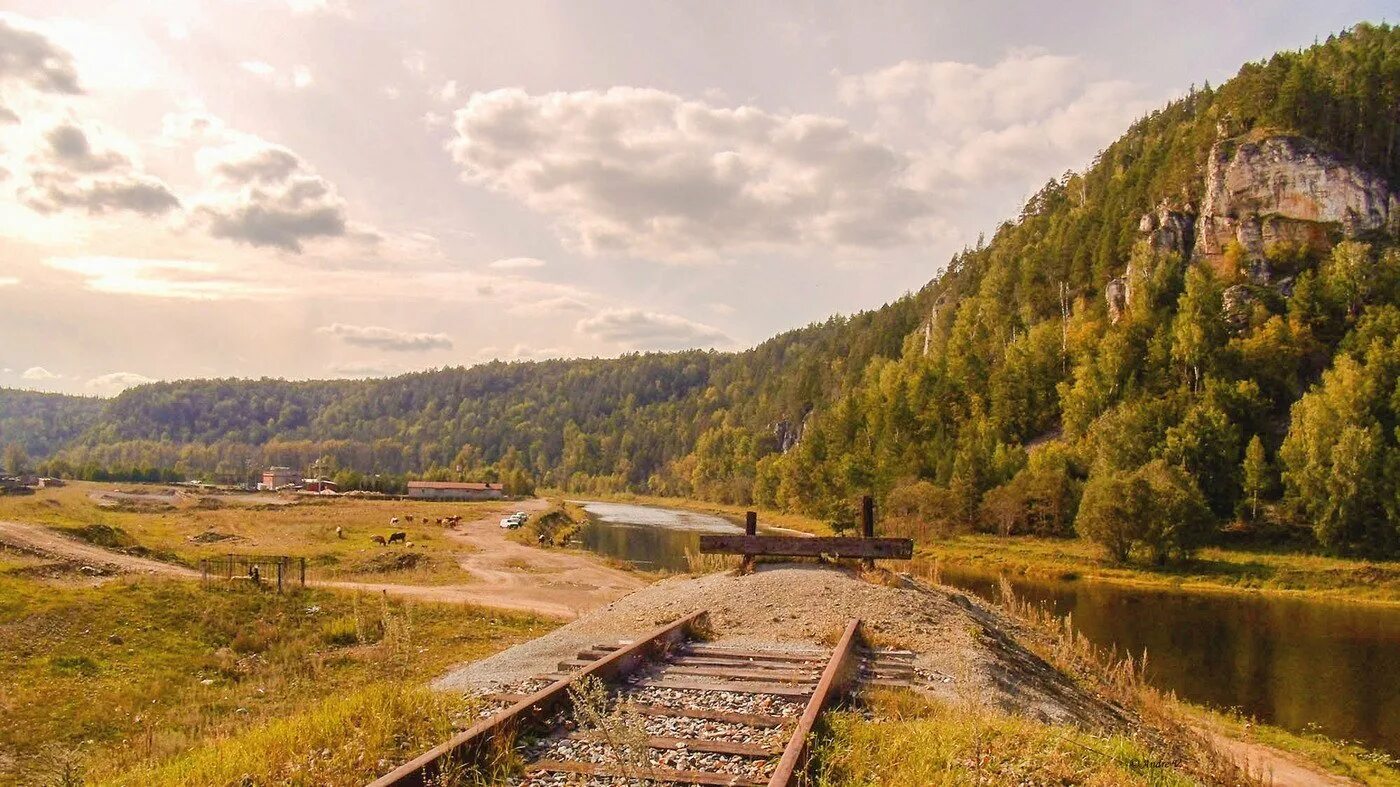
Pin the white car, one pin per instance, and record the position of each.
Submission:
(514, 520)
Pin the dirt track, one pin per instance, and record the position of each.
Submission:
(505, 574)
(36, 538)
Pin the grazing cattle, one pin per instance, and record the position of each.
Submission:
(339, 533)
(377, 539)
(400, 537)
(394, 521)
(407, 518)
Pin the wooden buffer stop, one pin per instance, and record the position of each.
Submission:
(865, 546)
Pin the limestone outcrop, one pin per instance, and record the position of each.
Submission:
(1284, 189)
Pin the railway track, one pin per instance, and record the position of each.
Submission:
(675, 711)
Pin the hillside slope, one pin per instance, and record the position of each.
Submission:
(1151, 323)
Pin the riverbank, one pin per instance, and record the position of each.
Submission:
(767, 518)
(1214, 569)
(993, 700)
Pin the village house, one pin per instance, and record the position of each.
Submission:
(278, 477)
(455, 490)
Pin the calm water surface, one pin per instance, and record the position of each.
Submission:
(646, 536)
(1302, 665)
(1298, 664)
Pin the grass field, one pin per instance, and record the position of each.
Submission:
(163, 681)
(188, 527)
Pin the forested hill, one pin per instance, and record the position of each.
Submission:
(1206, 319)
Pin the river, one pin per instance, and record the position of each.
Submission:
(1300, 664)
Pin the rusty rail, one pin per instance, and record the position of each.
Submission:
(469, 745)
(837, 672)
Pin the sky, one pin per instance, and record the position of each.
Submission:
(337, 188)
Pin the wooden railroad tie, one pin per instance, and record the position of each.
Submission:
(665, 658)
(866, 546)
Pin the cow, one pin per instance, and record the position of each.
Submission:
(394, 521)
(408, 518)
(377, 539)
(400, 537)
(339, 533)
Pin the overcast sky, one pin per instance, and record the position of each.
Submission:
(331, 188)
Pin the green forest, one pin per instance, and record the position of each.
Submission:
(1006, 396)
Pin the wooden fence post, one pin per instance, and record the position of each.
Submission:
(750, 529)
(281, 561)
(867, 524)
(303, 572)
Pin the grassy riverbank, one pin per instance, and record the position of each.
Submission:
(1212, 569)
(165, 682)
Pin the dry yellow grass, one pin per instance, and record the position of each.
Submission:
(166, 681)
(259, 524)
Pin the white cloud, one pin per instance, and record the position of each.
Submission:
(38, 374)
(1028, 116)
(179, 279)
(115, 382)
(640, 329)
(31, 62)
(516, 263)
(298, 78)
(379, 338)
(8, 281)
(67, 171)
(258, 68)
(448, 91)
(648, 173)
(335, 7)
(416, 61)
(550, 306)
(265, 195)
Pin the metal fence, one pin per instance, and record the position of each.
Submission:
(284, 570)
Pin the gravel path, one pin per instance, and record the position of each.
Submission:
(961, 650)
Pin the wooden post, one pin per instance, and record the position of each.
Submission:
(867, 524)
(303, 572)
(750, 529)
(281, 561)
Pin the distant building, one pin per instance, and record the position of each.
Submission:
(319, 485)
(455, 490)
(277, 477)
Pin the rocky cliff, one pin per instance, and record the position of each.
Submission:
(1261, 193)
(1284, 189)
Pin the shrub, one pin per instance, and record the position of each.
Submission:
(1155, 511)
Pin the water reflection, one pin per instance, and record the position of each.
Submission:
(648, 537)
(1294, 663)
(1290, 662)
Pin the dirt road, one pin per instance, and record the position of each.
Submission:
(36, 538)
(504, 574)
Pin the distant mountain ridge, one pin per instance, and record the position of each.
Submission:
(1230, 253)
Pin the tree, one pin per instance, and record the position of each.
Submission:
(16, 460)
(1198, 331)
(1108, 513)
(1256, 475)
(1338, 463)
(1155, 510)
